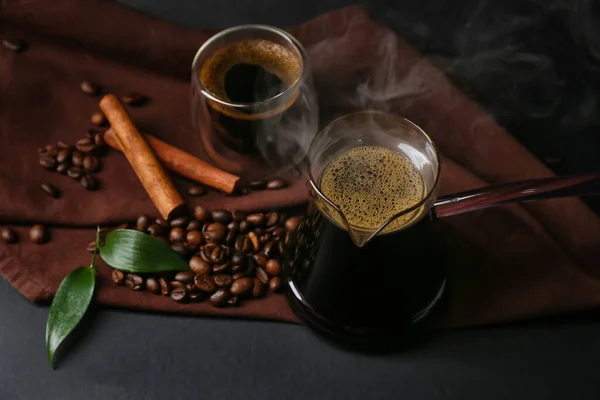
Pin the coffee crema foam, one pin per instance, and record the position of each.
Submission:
(272, 57)
(370, 184)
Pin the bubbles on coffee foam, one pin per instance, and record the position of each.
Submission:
(370, 184)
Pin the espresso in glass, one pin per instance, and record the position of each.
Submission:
(368, 266)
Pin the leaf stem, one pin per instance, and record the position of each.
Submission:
(96, 249)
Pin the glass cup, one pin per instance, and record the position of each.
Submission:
(361, 284)
(253, 100)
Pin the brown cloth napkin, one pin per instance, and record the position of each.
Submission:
(514, 262)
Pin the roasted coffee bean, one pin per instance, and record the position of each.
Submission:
(85, 145)
(177, 235)
(235, 268)
(278, 233)
(77, 158)
(196, 191)
(215, 232)
(62, 168)
(238, 258)
(275, 284)
(233, 226)
(273, 267)
(152, 285)
(98, 118)
(256, 219)
(14, 45)
(270, 229)
(239, 275)
(292, 223)
(259, 289)
(89, 182)
(222, 216)
(180, 249)
(223, 280)
(205, 283)
(220, 297)
(243, 244)
(142, 223)
(254, 240)
(245, 226)
(118, 277)
(281, 248)
(197, 296)
(184, 276)
(156, 230)
(257, 185)
(259, 231)
(290, 240)
(162, 223)
(179, 222)
(91, 246)
(221, 268)
(191, 287)
(134, 99)
(199, 266)
(194, 238)
(134, 281)
(262, 275)
(238, 215)
(272, 218)
(176, 284)
(233, 301)
(201, 214)
(205, 254)
(48, 162)
(89, 88)
(276, 184)
(230, 238)
(50, 190)
(99, 139)
(218, 255)
(74, 172)
(260, 259)
(250, 266)
(264, 238)
(39, 234)
(165, 286)
(241, 286)
(194, 225)
(180, 295)
(9, 236)
(63, 155)
(90, 163)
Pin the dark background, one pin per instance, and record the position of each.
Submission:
(534, 65)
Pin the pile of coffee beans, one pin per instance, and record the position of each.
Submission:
(38, 234)
(80, 161)
(233, 256)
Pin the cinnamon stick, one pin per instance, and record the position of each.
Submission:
(139, 154)
(183, 163)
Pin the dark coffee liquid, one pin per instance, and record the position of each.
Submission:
(370, 295)
(247, 83)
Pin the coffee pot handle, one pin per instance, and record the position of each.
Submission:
(516, 192)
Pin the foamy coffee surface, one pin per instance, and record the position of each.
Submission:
(271, 56)
(370, 184)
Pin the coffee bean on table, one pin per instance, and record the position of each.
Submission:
(142, 223)
(14, 45)
(180, 295)
(262, 275)
(152, 285)
(292, 223)
(39, 234)
(191, 287)
(63, 155)
(238, 258)
(99, 139)
(201, 214)
(118, 277)
(77, 158)
(134, 99)
(184, 276)
(62, 168)
(176, 284)
(222, 216)
(243, 244)
(230, 238)
(98, 118)
(264, 238)
(220, 297)
(272, 218)
(273, 267)
(90, 163)
(259, 289)
(275, 284)
(165, 286)
(245, 226)
(196, 191)
(89, 182)
(281, 248)
(194, 225)
(233, 226)
(260, 259)
(9, 236)
(74, 172)
(199, 266)
(163, 223)
(256, 219)
(223, 280)
(254, 240)
(215, 232)
(194, 238)
(257, 185)
(179, 222)
(196, 296)
(48, 162)
(234, 301)
(241, 286)
(218, 255)
(134, 281)
(279, 232)
(180, 249)
(91, 246)
(276, 184)
(155, 230)
(50, 190)
(177, 235)
(85, 145)
(235, 268)
(239, 275)
(221, 268)
(89, 88)
(205, 283)
(238, 215)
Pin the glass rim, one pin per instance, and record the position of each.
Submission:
(267, 28)
(422, 202)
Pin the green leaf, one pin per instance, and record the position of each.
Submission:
(68, 307)
(133, 251)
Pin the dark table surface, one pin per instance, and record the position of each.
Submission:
(127, 355)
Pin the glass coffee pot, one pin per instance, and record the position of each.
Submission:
(368, 268)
